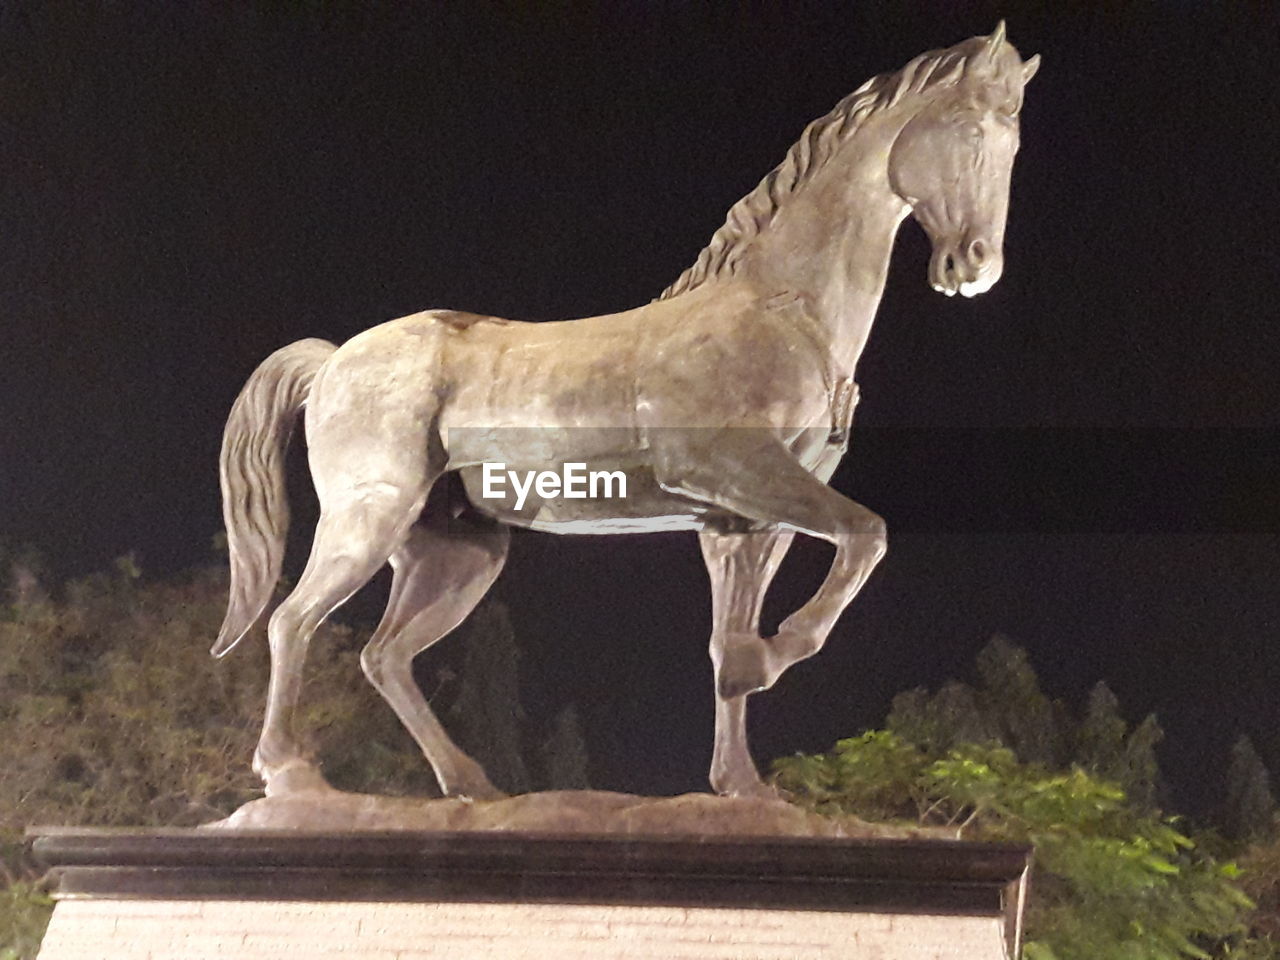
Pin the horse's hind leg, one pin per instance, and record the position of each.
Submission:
(440, 575)
(741, 567)
(354, 538)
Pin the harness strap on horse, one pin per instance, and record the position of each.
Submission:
(842, 394)
(844, 398)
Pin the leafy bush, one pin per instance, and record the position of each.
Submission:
(112, 712)
(24, 913)
(1111, 881)
(1007, 707)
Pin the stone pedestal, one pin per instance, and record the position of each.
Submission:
(409, 895)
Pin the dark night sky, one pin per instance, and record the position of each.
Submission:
(1084, 458)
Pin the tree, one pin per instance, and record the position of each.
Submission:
(1115, 877)
(1106, 747)
(1100, 740)
(1027, 721)
(112, 712)
(956, 714)
(487, 716)
(1140, 776)
(1010, 709)
(1112, 881)
(564, 753)
(1007, 707)
(1250, 808)
(1260, 865)
(24, 570)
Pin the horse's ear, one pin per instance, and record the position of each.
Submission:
(995, 42)
(1029, 68)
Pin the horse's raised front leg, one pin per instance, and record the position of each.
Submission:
(440, 575)
(752, 474)
(741, 567)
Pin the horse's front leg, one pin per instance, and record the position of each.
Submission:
(752, 474)
(741, 567)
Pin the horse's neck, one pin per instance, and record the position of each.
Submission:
(830, 244)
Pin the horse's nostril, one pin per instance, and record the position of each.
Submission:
(949, 266)
(977, 253)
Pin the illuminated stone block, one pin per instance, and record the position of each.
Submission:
(191, 895)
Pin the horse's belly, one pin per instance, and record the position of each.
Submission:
(470, 443)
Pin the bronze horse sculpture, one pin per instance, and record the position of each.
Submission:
(726, 402)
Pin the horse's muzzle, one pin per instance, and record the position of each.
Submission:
(965, 268)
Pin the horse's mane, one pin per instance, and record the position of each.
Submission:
(819, 142)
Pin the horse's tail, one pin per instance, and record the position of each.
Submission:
(255, 507)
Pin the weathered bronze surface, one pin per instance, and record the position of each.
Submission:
(726, 403)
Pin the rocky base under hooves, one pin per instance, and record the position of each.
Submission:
(558, 811)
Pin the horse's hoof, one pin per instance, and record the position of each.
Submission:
(297, 776)
(761, 791)
(478, 791)
(752, 788)
(466, 780)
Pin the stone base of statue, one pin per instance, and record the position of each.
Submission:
(568, 875)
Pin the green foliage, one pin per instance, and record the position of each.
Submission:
(877, 776)
(1111, 880)
(957, 713)
(1260, 877)
(24, 913)
(1252, 948)
(564, 753)
(1008, 708)
(25, 907)
(112, 712)
(1100, 740)
(1000, 760)
(1140, 775)
(486, 716)
(1250, 807)
(1028, 721)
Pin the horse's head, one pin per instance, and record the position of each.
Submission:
(952, 162)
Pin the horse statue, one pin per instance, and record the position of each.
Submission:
(726, 404)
